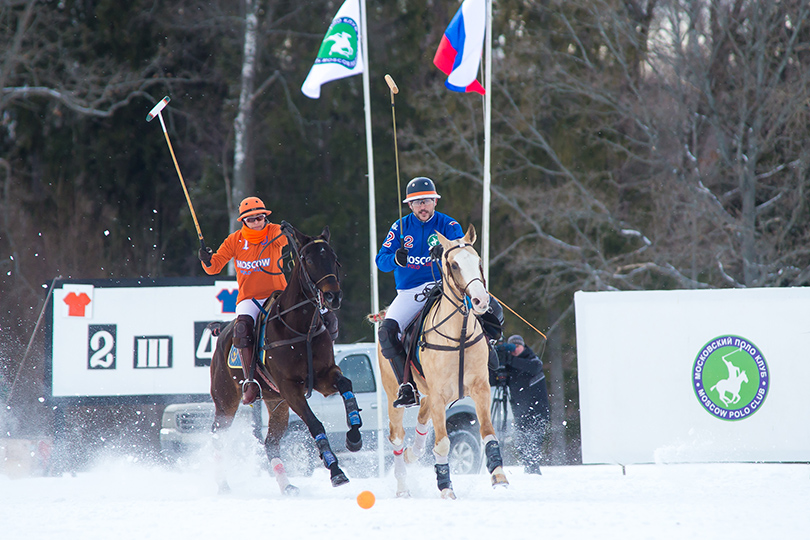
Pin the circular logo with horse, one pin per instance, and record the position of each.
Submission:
(340, 44)
(730, 377)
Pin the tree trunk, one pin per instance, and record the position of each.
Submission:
(244, 181)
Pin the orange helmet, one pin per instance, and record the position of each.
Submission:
(251, 206)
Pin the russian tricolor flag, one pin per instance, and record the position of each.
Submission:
(459, 52)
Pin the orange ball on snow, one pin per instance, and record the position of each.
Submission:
(365, 499)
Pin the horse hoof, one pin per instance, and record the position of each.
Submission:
(291, 491)
(339, 479)
(223, 489)
(499, 478)
(404, 494)
(448, 493)
(354, 441)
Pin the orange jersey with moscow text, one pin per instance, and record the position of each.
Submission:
(257, 263)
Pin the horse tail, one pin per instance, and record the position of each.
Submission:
(215, 328)
(376, 317)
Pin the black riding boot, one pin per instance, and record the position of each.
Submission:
(243, 340)
(492, 320)
(393, 350)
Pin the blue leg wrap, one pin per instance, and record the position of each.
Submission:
(352, 410)
(326, 451)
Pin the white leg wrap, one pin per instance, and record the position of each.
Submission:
(281, 473)
(490, 438)
(399, 462)
(419, 441)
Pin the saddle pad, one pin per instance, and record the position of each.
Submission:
(234, 360)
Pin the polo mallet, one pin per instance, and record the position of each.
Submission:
(392, 86)
(151, 116)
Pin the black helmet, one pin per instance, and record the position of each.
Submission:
(420, 187)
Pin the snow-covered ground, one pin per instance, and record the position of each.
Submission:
(121, 498)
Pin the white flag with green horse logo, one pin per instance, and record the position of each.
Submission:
(339, 55)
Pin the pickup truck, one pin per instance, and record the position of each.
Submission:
(186, 426)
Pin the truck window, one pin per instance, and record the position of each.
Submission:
(357, 367)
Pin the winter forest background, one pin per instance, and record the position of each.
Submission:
(637, 144)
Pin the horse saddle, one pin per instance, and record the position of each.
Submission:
(234, 359)
(413, 331)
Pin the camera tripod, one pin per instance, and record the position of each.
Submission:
(498, 410)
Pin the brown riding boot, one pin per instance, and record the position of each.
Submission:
(250, 388)
(243, 340)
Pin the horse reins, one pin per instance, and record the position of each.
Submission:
(463, 342)
(317, 325)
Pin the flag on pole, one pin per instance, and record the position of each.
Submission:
(459, 52)
(339, 55)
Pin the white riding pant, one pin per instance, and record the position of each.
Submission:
(406, 305)
(249, 307)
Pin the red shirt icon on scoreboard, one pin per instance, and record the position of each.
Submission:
(76, 304)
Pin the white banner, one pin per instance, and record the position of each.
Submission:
(694, 375)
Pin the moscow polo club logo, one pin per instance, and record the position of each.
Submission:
(433, 240)
(340, 44)
(730, 377)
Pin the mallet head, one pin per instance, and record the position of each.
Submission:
(391, 84)
(157, 108)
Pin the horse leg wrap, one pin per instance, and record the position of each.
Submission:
(325, 450)
(443, 476)
(352, 410)
(493, 453)
(418, 447)
(354, 441)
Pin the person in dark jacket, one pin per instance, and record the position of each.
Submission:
(522, 371)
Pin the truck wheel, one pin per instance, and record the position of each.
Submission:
(465, 452)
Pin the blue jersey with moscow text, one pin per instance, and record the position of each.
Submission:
(418, 238)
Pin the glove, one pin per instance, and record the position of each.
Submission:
(205, 256)
(401, 257)
(436, 251)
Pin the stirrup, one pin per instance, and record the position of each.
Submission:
(245, 386)
(406, 396)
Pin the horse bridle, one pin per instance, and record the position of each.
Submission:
(307, 280)
(457, 301)
(317, 325)
(461, 307)
(453, 277)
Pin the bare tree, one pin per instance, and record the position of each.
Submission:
(637, 145)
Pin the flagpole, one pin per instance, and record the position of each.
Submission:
(487, 141)
(372, 227)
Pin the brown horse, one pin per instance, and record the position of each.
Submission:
(454, 357)
(297, 357)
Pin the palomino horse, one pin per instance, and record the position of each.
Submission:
(297, 358)
(454, 357)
